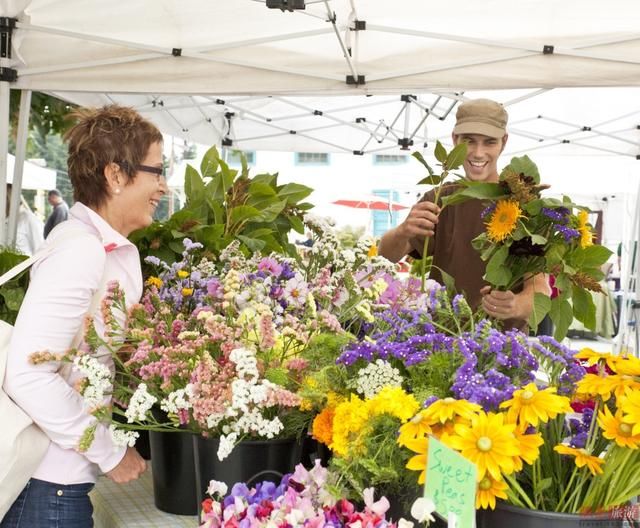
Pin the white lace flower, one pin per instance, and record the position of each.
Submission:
(123, 438)
(226, 445)
(375, 376)
(177, 400)
(140, 404)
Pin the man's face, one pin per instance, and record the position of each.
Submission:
(482, 156)
(52, 199)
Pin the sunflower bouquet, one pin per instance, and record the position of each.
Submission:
(527, 234)
(545, 448)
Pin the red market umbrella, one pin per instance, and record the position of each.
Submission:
(375, 203)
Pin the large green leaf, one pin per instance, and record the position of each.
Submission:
(293, 192)
(243, 212)
(541, 307)
(591, 257)
(497, 273)
(430, 180)
(271, 211)
(561, 314)
(193, 186)
(421, 159)
(440, 152)
(523, 165)
(13, 297)
(456, 157)
(210, 162)
(584, 308)
(254, 244)
(296, 224)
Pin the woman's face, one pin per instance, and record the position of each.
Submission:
(137, 200)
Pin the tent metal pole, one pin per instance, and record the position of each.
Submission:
(21, 147)
(5, 94)
(345, 51)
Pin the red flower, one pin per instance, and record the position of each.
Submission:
(580, 406)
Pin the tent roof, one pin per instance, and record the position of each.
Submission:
(254, 78)
(33, 176)
(242, 47)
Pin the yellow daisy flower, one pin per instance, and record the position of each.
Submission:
(531, 405)
(487, 491)
(626, 365)
(415, 428)
(614, 428)
(448, 408)
(594, 385)
(418, 462)
(591, 356)
(373, 251)
(582, 458)
(630, 405)
(186, 292)
(529, 447)
(503, 220)
(182, 274)
(154, 281)
(488, 442)
(586, 235)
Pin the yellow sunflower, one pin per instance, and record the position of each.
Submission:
(448, 408)
(582, 458)
(614, 428)
(487, 491)
(531, 405)
(503, 220)
(416, 428)
(586, 235)
(630, 405)
(488, 442)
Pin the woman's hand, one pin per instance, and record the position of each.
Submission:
(130, 467)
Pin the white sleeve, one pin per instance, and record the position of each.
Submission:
(53, 310)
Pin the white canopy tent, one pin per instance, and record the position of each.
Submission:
(33, 176)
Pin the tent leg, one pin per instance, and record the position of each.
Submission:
(21, 148)
(5, 93)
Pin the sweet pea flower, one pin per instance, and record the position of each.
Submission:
(422, 510)
(379, 507)
(215, 486)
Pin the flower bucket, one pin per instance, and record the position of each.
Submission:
(508, 515)
(174, 480)
(251, 462)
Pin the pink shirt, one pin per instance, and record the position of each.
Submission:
(59, 295)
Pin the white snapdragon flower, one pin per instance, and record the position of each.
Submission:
(140, 404)
(226, 445)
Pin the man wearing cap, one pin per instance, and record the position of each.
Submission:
(481, 123)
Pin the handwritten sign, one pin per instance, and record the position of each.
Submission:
(451, 484)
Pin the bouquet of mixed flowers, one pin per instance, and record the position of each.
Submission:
(302, 499)
(521, 445)
(527, 234)
(426, 349)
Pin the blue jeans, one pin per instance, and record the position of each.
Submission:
(48, 505)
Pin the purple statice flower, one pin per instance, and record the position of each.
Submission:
(286, 273)
(154, 261)
(567, 232)
(455, 303)
(559, 214)
(429, 401)
(214, 288)
(488, 210)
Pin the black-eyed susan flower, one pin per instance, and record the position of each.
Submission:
(416, 428)
(487, 442)
(418, 462)
(488, 490)
(586, 235)
(448, 408)
(528, 447)
(504, 219)
(582, 458)
(630, 405)
(594, 385)
(614, 428)
(530, 405)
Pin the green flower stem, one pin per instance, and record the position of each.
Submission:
(513, 483)
(567, 488)
(576, 500)
(425, 246)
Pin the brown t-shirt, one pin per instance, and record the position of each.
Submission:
(452, 251)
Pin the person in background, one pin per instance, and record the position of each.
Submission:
(115, 167)
(60, 211)
(481, 124)
(29, 227)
